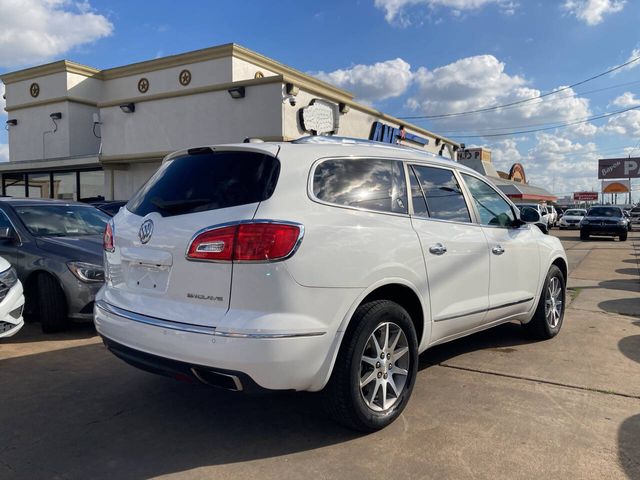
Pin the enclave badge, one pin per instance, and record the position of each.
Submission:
(146, 230)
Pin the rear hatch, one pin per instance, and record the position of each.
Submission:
(147, 271)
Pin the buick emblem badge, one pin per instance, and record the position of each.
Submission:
(146, 230)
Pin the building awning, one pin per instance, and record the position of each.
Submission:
(523, 191)
(66, 163)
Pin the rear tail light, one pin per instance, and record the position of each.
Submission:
(107, 238)
(246, 242)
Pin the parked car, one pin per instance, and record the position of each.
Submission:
(572, 218)
(627, 217)
(56, 249)
(635, 215)
(608, 221)
(552, 215)
(321, 264)
(11, 300)
(543, 224)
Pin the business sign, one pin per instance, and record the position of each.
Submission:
(320, 117)
(609, 168)
(616, 186)
(585, 196)
(381, 132)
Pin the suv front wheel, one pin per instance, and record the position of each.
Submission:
(376, 367)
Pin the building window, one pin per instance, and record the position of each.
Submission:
(65, 186)
(91, 185)
(13, 185)
(39, 185)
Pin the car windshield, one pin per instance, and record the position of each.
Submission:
(62, 220)
(604, 212)
(575, 213)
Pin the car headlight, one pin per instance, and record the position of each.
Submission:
(9, 277)
(584, 222)
(87, 272)
(622, 222)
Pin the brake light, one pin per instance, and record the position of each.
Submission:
(107, 238)
(246, 242)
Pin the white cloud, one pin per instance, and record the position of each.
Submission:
(627, 123)
(592, 12)
(479, 82)
(635, 53)
(394, 9)
(4, 152)
(371, 83)
(38, 30)
(627, 99)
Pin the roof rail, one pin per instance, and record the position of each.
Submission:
(326, 139)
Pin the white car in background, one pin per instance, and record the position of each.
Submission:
(319, 264)
(552, 215)
(572, 218)
(11, 300)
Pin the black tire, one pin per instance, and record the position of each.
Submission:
(623, 237)
(51, 305)
(343, 396)
(539, 327)
(584, 235)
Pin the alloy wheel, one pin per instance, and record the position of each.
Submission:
(384, 367)
(553, 302)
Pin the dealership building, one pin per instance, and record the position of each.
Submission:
(78, 133)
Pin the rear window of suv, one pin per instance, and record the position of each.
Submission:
(207, 181)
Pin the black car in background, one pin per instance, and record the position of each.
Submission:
(56, 248)
(607, 221)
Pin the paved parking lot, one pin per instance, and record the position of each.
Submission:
(494, 405)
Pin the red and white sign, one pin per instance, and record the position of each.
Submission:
(585, 196)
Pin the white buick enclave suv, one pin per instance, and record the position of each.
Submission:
(320, 264)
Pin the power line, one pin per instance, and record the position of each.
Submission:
(526, 100)
(575, 94)
(562, 125)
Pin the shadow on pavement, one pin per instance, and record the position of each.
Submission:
(31, 333)
(501, 338)
(622, 306)
(629, 271)
(629, 446)
(630, 347)
(81, 413)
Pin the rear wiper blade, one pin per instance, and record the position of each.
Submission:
(179, 204)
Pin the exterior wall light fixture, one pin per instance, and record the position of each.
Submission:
(344, 108)
(128, 107)
(237, 92)
(12, 122)
(55, 116)
(292, 89)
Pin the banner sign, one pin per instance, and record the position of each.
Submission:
(585, 196)
(388, 134)
(616, 186)
(609, 168)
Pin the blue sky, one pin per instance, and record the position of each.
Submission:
(406, 57)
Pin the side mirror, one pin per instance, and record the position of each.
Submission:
(529, 215)
(6, 234)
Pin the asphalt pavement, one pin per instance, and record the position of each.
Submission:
(494, 405)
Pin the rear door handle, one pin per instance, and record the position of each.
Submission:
(438, 249)
(497, 250)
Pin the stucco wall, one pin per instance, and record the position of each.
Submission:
(181, 122)
(25, 139)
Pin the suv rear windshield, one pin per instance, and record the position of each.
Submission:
(207, 181)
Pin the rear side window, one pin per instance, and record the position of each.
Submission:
(207, 181)
(444, 197)
(373, 184)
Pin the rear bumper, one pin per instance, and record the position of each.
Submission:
(274, 361)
